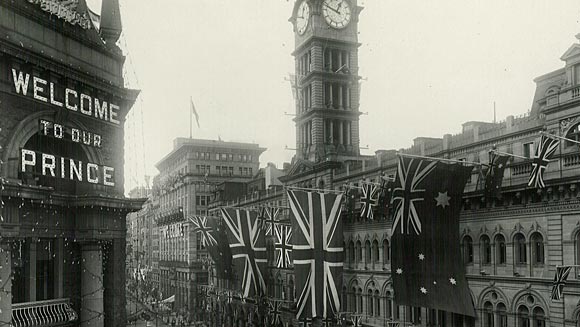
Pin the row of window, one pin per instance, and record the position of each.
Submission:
(333, 60)
(223, 170)
(520, 248)
(354, 252)
(223, 156)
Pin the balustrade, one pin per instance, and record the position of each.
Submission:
(43, 313)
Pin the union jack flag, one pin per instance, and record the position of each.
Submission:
(283, 245)
(540, 161)
(201, 227)
(275, 312)
(369, 200)
(559, 281)
(408, 191)
(317, 252)
(269, 218)
(248, 247)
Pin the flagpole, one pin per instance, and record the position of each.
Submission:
(190, 119)
(559, 137)
(313, 189)
(510, 154)
(441, 159)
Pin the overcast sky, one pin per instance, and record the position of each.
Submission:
(428, 67)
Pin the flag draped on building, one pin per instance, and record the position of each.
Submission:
(559, 281)
(214, 239)
(283, 245)
(317, 252)
(494, 174)
(248, 247)
(426, 258)
(369, 200)
(541, 159)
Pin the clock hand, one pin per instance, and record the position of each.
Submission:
(329, 7)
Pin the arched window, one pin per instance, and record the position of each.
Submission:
(358, 251)
(387, 251)
(351, 252)
(389, 306)
(377, 304)
(538, 317)
(368, 251)
(502, 318)
(537, 248)
(360, 301)
(488, 314)
(467, 250)
(500, 254)
(370, 304)
(344, 299)
(523, 317)
(291, 289)
(354, 303)
(485, 246)
(375, 250)
(520, 249)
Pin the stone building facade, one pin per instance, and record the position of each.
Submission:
(62, 106)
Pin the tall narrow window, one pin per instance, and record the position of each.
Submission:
(502, 315)
(538, 317)
(500, 252)
(375, 251)
(520, 249)
(467, 250)
(358, 251)
(386, 252)
(485, 246)
(523, 317)
(45, 276)
(488, 315)
(368, 252)
(537, 248)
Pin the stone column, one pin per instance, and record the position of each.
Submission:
(340, 96)
(330, 96)
(339, 59)
(331, 132)
(347, 105)
(92, 304)
(5, 282)
(340, 132)
(32, 271)
(348, 139)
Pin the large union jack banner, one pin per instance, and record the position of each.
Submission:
(248, 247)
(317, 252)
(214, 239)
(283, 245)
(541, 159)
(200, 225)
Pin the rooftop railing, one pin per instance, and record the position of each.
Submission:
(43, 313)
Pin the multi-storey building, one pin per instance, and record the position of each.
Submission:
(186, 181)
(510, 246)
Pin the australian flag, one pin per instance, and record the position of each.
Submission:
(426, 262)
(248, 247)
(494, 174)
(214, 239)
(317, 252)
(541, 159)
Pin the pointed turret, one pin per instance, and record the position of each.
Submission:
(110, 21)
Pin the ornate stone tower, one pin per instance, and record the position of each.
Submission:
(326, 80)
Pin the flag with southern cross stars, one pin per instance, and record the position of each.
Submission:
(541, 159)
(317, 252)
(248, 248)
(214, 239)
(369, 200)
(494, 174)
(559, 281)
(283, 245)
(426, 264)
(269, 217)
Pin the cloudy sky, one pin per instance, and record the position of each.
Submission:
(428, 67)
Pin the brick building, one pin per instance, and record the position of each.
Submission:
(186, 182)
(63, 105)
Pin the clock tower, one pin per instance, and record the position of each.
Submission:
(326, 79)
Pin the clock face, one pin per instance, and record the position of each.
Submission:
(336, 12)
(302, 17)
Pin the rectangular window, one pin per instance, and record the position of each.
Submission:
(230, 157)
(218, 170)
(217, 156)
(250, 172)
(241, 171)
(224, 156)
(528, 149)
(231, 170)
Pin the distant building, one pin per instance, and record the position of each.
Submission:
(187, 179)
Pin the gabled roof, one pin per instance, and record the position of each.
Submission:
(573, 51)
(300, 166)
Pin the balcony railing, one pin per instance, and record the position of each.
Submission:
(43, 313)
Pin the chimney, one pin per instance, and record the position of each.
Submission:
(110, 21)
